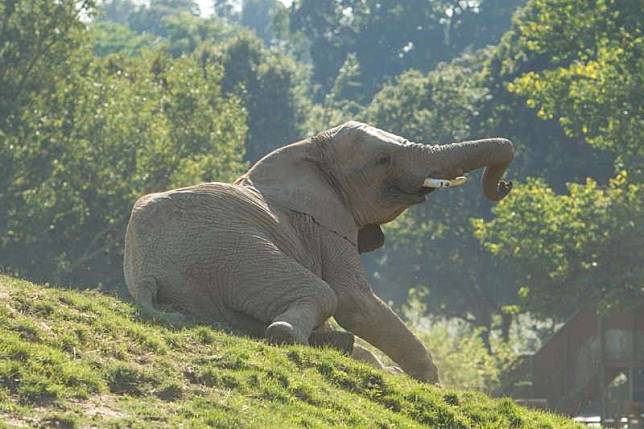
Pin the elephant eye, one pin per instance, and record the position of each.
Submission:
(383, 159)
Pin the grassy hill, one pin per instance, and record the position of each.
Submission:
(77, 359)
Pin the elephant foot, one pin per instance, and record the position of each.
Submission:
(426, 372)
(342, 341)
(363, 355)
(281, 333)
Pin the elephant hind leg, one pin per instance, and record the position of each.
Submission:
(274, 288)
(281, 332)
(295, 325)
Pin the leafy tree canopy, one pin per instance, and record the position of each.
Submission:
(389, 37)
(84, 137)
(584, 246)
(587, 241)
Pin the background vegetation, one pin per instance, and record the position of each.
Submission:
(102, 102)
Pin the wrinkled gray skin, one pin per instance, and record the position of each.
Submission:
(278, 252)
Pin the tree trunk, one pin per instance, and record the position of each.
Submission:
(506, 324)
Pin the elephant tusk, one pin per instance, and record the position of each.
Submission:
(441, 183)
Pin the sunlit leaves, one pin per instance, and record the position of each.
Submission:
(594, 88)
(89, 136)
(583, 68)
(576, 247)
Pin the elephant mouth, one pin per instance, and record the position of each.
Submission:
(424, 190)
(432, 182)
(409, 195)
(429, 185)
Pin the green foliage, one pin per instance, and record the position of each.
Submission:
(35, 38)
(344, 102)
(184, 33)
(109, 38)
(581, 67)
(258, 15)
(225, 9)
(176, 30)
(116, 11)
(561, 92)
(226, 381)
(593, 86)
(541, 144)
(435, 108)
(150, 19)
(79, 150)
(390, 37)
(587, 243)
(271, 88)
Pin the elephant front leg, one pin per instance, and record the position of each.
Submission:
(364, 355)
(363, 313)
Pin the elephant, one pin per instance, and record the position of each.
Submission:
(276, 254)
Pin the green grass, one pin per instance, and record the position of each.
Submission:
(77, 359)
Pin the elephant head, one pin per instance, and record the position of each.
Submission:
(354, 177)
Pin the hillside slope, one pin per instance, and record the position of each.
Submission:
(72, 359)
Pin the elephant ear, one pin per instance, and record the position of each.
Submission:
(370, 238)
(293, 177)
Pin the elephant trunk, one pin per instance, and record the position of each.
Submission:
(494, 154)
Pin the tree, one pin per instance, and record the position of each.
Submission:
(150, 18)
(110, 37)
(89, 136)
(593, 85)
(186, 33)
(434, 246)
(580, 247)
(271, 87)
(174, 27)
(474, 25)
(258, 15)
(345, 101)
(35, 38)
(381, 34)
(571, 249)
(542, 146)
(117, 11)
(389, 37)
(225, 9)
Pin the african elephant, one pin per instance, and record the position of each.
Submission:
(277, 253)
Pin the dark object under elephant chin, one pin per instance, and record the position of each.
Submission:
(342, 341)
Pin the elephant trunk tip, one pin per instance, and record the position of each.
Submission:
(503, 188)
(494, 188)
